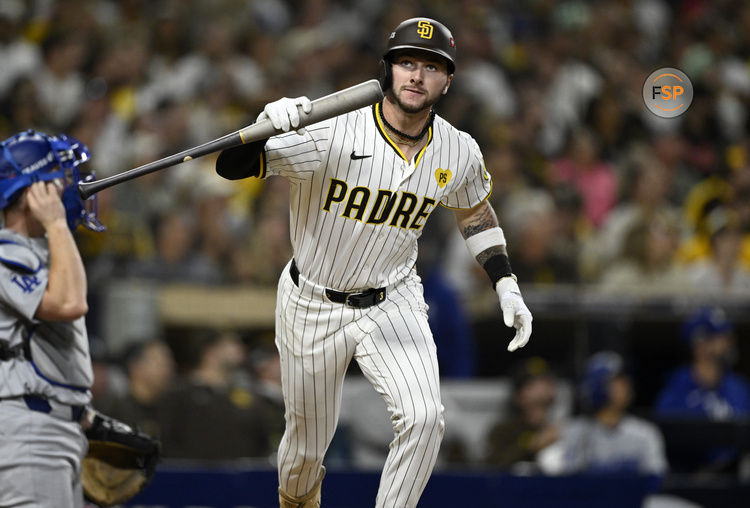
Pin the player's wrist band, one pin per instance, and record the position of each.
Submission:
(483, 240)
(497, 267)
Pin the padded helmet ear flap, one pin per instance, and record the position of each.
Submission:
(385, 77)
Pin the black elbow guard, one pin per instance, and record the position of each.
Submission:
(242, 161)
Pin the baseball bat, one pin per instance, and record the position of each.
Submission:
(337, 103)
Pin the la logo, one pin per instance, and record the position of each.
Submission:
(443, 176)
(424, 29)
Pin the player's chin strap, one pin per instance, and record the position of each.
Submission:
(309, 500)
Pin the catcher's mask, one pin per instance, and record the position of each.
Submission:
(31, 156)
(424, 34)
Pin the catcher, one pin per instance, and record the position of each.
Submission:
(45, 368)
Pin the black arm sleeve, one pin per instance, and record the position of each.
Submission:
(241, 161)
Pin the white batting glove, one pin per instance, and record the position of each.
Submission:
(515, 312)
(283, 113)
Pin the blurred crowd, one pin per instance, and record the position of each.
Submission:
(590, 188)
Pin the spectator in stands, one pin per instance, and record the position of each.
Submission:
(20, 57)
(21, 108)
(646, 265)
(606, 439)
(646, 184)
(150, 368)
(536, 225)
(528, 428)
(722, 272)
(716, 200)
(595, 179)
(707, 388)
(59, 83)
(208, 416)
(177, 256)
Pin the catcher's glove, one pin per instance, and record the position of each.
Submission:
(120, 462)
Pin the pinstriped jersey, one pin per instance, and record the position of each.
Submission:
(358, 205)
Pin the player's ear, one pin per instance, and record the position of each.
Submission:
(447, 84)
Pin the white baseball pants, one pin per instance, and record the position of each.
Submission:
(394, 348)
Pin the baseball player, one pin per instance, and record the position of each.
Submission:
(362, 186)
(45, 369)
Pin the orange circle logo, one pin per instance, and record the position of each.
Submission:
(667, 92)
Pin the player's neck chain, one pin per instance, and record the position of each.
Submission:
(405, 138)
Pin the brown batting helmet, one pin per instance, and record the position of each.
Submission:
(425, 34)
(419, 33)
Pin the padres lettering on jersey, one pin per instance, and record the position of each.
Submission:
(383, 206)
(358, 206)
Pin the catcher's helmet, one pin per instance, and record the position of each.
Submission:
(601, 368)
(30, 156)
(424, 34)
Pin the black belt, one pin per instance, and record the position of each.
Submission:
(360, 300)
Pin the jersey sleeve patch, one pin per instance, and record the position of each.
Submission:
(474, 187)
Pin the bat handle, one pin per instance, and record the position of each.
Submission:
(88, 189)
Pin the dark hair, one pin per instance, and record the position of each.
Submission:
(529, 370)
(197, 343)
(135, 350)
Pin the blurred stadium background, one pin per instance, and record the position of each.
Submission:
(620, 225)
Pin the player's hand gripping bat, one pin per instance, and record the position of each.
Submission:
(337, 103)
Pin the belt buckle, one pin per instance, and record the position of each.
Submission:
(353, 300)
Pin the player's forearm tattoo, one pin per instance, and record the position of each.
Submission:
(486, 254)
(482, 220)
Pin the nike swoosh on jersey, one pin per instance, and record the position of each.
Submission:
(357, 157)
